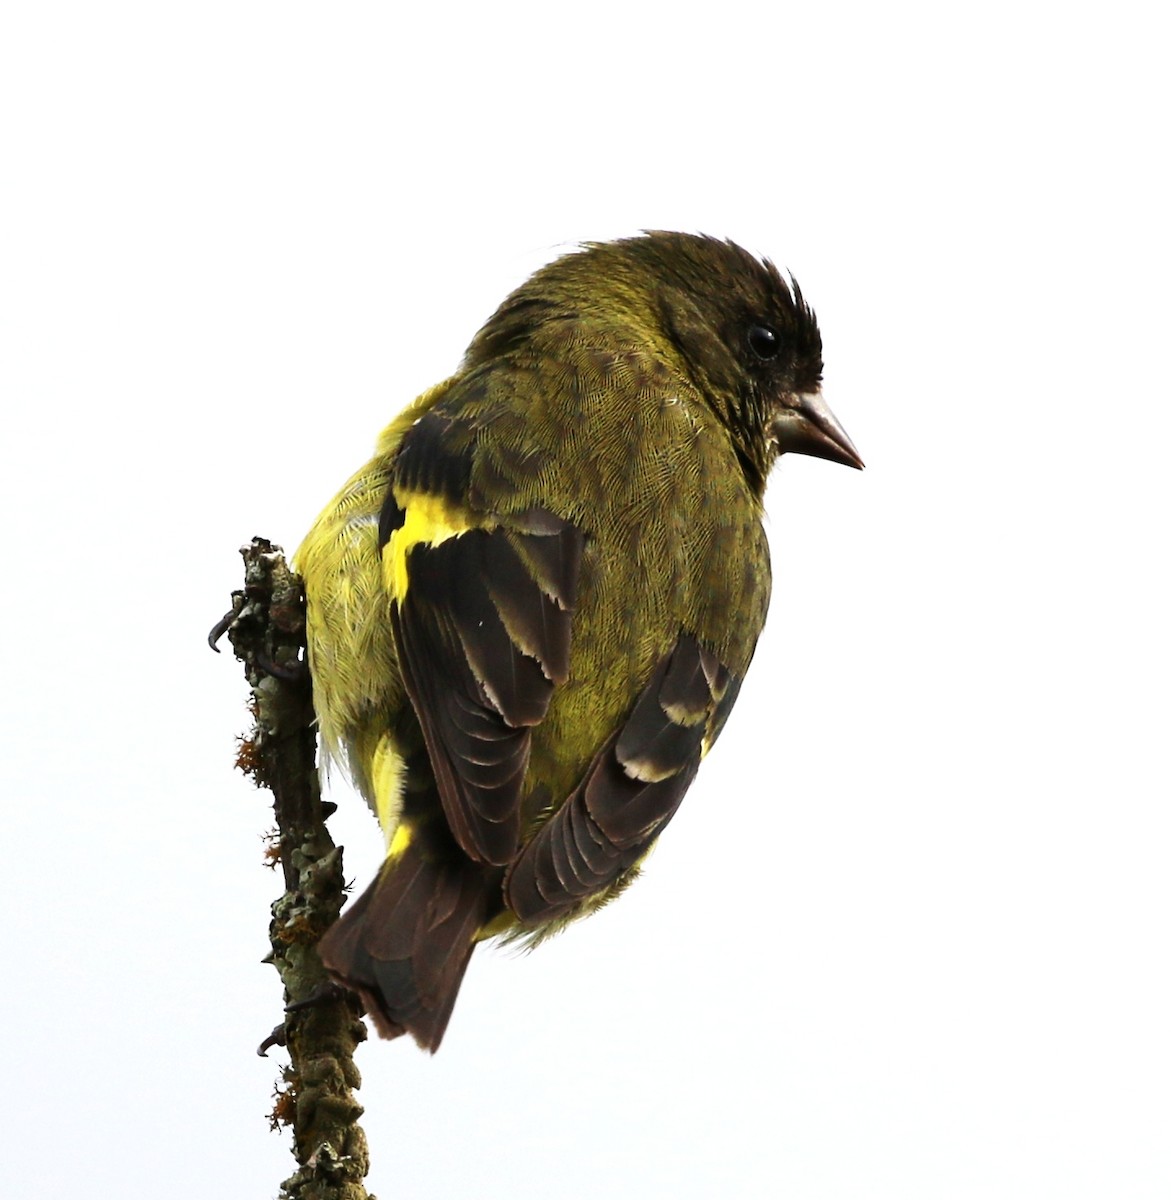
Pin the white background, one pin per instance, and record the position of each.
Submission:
(907, 937)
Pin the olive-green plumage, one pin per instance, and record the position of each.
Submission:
(530, 613)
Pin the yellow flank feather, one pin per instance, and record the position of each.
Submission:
(401, 840)
(350, 657)
(386, 778)
(427, 520)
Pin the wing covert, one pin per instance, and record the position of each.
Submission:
(481, 616)
(630, 791)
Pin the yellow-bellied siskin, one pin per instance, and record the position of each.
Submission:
(530, 613)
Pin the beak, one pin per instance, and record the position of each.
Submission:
(805, 425)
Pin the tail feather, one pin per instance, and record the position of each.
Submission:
(405, 943)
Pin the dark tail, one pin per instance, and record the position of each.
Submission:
(404, 944)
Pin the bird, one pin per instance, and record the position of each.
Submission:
(530, 613)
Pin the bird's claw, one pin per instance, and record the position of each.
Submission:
(220, 628)
(297, 673)
(278, 1037)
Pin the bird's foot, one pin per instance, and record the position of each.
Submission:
(323, 993)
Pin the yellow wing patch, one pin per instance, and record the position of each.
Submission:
(428, 520)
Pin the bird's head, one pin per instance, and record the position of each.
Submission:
(743, 334)
(750, 341)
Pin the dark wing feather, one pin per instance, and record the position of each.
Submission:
(435, 457)
(630, 791)
(483, 634)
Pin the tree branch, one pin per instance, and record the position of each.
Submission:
(322, 1023)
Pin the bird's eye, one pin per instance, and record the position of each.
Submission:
(763, 341)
